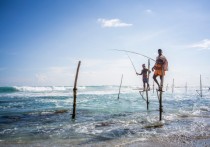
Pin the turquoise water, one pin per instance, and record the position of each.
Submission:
(42, 115)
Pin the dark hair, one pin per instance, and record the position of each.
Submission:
(159, 50)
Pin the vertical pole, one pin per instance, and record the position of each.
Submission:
(173, 87)
(186, 87)
(161, 90)
(120, 87)
(75, 91)
(147, 85)
(200, 86)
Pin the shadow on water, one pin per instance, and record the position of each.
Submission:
(110, 135)
(31, 116)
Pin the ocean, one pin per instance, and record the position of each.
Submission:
(41, 116)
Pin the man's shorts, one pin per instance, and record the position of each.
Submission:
(159, 72)
(145, 80)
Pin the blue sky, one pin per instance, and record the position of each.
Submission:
(42, 41)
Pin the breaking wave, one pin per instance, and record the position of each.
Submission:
(33, 89)
(8, 89)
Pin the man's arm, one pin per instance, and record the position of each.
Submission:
(153, 68)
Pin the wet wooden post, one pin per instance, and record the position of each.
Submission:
(173, 86)
(186, 87)
(120, 87)
(147, 85)
(161, 92)
(200, 86)
(75, 91)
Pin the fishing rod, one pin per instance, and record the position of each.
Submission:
(132, 63)
(134, 53)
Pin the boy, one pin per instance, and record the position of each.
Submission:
(144, 76)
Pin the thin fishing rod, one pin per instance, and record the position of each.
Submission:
(120, 86)
(132, 63)
(134, 53)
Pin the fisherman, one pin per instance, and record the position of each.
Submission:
(144, 76)
(161, 63)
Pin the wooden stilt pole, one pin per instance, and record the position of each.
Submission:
(186, 87)
(75, 91)
(161, 91)
(147, 85)
(201, 86)
(173, 87)
(120, 87)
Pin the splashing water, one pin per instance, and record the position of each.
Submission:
(42, 116)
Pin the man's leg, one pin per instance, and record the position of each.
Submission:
(154, 77)
(161, 78)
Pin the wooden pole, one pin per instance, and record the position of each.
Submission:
(147, 85)
(200, 86)
(75, 91)
(161, 91)
(173, 87)
(120, 87)
(186, 87)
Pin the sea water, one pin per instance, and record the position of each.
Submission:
(41, 116)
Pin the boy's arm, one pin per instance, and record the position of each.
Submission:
(138, 73)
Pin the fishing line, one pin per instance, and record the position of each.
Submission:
(133, 53)
(132, 63)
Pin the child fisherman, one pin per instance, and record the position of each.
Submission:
(144, 76)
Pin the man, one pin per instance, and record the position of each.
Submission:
(144, 76)
(161, 65)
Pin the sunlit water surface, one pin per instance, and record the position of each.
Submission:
(42, 115)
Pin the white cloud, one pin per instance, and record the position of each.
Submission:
(113, 23)
(148, 11)
(55, 76)
(59, 70)
(108, 72)
(204, 45)
(41, 78)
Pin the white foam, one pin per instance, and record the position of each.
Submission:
(204, 108)
(154, 124)
(42, 89)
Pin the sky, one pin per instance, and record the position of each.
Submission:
(41, 41)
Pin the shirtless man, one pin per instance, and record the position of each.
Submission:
(161, 63)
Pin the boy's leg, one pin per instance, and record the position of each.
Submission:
(148, 88)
